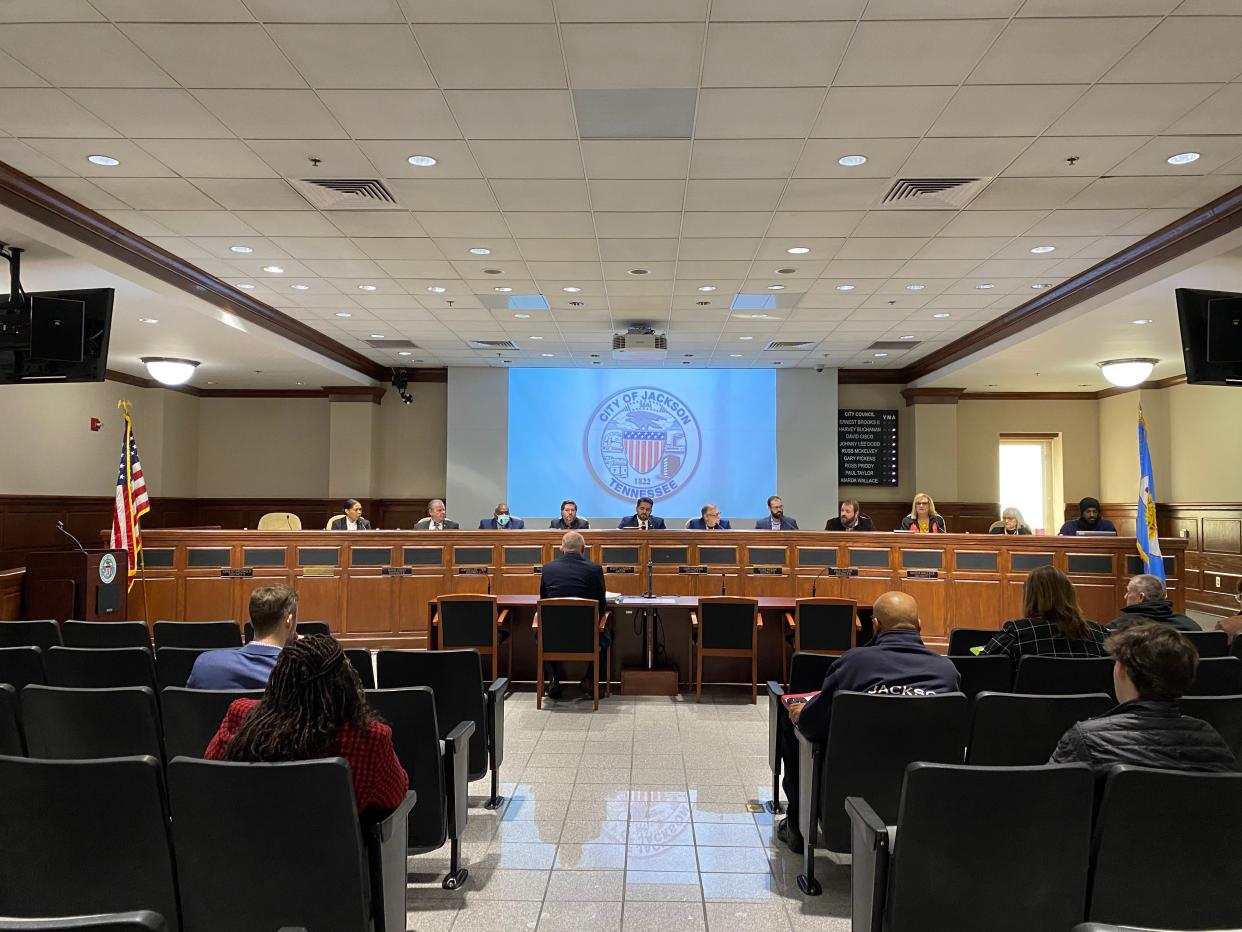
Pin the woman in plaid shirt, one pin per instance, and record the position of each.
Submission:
(1053, 626)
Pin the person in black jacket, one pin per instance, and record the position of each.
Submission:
(573, 576)
(1154, 666)
(849, 518)
(896, 662)
(1146, 600)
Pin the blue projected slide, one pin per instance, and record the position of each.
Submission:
(605, 437)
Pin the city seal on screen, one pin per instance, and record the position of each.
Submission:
(642, 441)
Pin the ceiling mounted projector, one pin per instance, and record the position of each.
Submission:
(639, 343)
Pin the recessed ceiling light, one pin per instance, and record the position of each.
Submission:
(702, 303)
(421, 161)
(344, 314)
(880, 355)
(241, 249)
(493, 272)
(377, 336)
(776, 287)
(852, 161)
(522, 316)
(1040, 250)
(868, 362)
(942, 315)
(404, 352)
(109, 161)
(1183, 158)
(274, 269)
(985, 286)
(759, 316)
(908, 336)
(366, 287)
(503, 289)
(301, 383)
(1040, 286)
(577, 303)
(436, 289)
(745, 338)
(536, 338)
(846, 287)
(572, 289)
(548, 355)
(1141, 322)
(735, 355)
(148, 320)
(785, 271)
(640, 271)
(211, 383)
(480, 251)
(798, 250)
(915, 287)
(707, 287)
(246, 286)
(300, 287)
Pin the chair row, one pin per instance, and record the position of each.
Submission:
(141, 920)
(1216, 676)
(198, 634)
(962, 641)
(1035, 855)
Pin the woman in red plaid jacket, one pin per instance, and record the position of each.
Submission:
(315, 707)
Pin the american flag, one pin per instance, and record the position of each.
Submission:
(131, 501)
(643, 448)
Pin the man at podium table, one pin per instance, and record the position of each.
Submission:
(573, 576)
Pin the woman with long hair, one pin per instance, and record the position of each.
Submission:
(1011, 522)
(1053, 624)
(314, 707)
(923, 518)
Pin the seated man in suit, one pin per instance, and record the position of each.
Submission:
(850, 518)
(573, 576)
(352, 519)
(709, 520)
(569, 520)
(273, 610)
(776, 520)
(1147, 600)
(501, 520)
(642, 519)
(435, 520)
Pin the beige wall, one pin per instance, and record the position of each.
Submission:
(412, 443)
(351, 466)
(1204, 444)
(261, 447)
(179, 476)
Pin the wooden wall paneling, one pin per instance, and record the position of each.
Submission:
(210, 598)
(371, 602)
(413, 594)
(1222, 535)
(155, 598)
(1100, 600)
(11, 584)
(1011, 595)
(976, 603)
(932, 596)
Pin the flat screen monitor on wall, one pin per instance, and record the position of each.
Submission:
(1211, 327)
(59, 336)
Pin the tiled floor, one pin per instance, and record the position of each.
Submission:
(631, 817)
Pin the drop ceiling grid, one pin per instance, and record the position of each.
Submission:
(160, 190)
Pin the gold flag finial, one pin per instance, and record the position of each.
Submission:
(124, 405)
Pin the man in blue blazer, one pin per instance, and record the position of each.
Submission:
(710, 520)
(573, 576)
(501, 520)
(776, 520)
(642, 519)
(273, 610)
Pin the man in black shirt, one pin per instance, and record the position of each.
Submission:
(569, 520)
(850, 518)
(573, 576)
(1147, 600)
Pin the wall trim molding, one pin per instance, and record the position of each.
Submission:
(360, 393)
(931, 396)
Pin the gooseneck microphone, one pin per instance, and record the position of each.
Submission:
(650, 580)
(60, 526)
(815, 581)
(722, 583)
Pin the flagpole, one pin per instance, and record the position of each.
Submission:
(124, 405)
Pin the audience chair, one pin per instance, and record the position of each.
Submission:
(469, 621)
(11, 743)
(871, 740)
(85, 837)
(191, 717)
(991, 673)
(1165, 851)
(141, 921)
(21, 666)
(1017, 838)
(1217, 676)
(173, 665)
(318, 873)
(1235, 648)
(437, 774)
(1015, 730)
(105, 634)
(456, 679)
(280, 521)
(806, 675)
(961, 640)
(1224, 713)
(568, 629)
(1209, 643)
(99, 667)
(41, 634)
(305, 629)
(204, 634)
(821, 626)
(725, 626)
(360, 659)
(79, 724)
(1058, 676)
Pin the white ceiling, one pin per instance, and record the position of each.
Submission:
(210, 107)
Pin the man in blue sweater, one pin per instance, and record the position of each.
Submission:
(896, 662)
(273, 612)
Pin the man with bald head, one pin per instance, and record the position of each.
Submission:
(895, 663)
(573, 576)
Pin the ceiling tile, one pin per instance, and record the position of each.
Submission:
(1048, 157)
(264, 114)
(1152, 158)
(559, 250)
(916, 53)
(756, 113)
(741, 54)
(992, 222)
(880, 247)
(634, 11)
(354, 56)
(143, 112)
(1082, 222)
(1129, 109)
(443, 194)
(392, 114)
(902, 222)
(208, 158)
(73, 153)
(326, 11)
(391, 158)
(961, 158)
(832, 193)
(530, 194)
(157, 193)
(493, 56)
(85, 192)
(29, 11)
(636, 158)
(1046, 8)
(821, 157)
(1184, 49)
(1028, 193)
(395, 247)
(637, 224)
(744, 158)
(550, 224)
(723, 248)
(317, 247)
(15, 74)
(866, 112)
(1108, 193)
(637, 195)
(1005, 110)
(464, 223)
(937, 9)
(28, 160)
(633, 55)
(513, 114)
(478, 11)
(79, 50)
(201, 55)
(962, 247)
(800, 223)
(521, 158)
(45, 111)
(252, 194)
(227, 11)
(290, 223)
(292, 158)
(638, 250)
(1220, 113)
(375, 223)
(202, 222)
(1058, 51)
(733, 195)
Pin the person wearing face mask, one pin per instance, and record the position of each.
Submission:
(501, 520)
(642, 519)
(1088, 520)
(1233, 624)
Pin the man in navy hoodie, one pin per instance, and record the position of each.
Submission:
(896, 662)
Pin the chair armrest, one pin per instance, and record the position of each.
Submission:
(810, 777)
(457, 776)
(604, 619)
(386, 841)
(435, 618)
(775, 707)
(502, 617)
(759, 621)
(789, 619)
(869, 871)
(775, 689)
(694, 619)
(534, 622)
(496, 721)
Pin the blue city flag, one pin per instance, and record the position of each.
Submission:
(1145, 533)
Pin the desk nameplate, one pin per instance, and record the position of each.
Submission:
(237, 572)
(767, 571)
(692, 570)
(397, 571)
(842, 571)
(922, 574)
(620, 570)
(472, 571)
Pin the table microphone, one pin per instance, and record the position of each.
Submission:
(815, 581)
(60, 526)
(722, 583)
(650, 580)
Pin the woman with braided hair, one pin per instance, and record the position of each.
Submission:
(314, 707)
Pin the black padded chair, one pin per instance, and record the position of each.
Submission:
(806, 675)
(11, 743)
(174, 664)
(1059, 676)
(204, 634)
(456, 678)
(468, 621)
(105, 634)
(318, 873)
(99, 667)
(569, 629)
(1224, 713)
(1217, 676)
(992, 673)
(84, 837)
(305, 629)
(437, 774)
(1197, 820)
(141, 921)
(21, 666)
(360, 659)
(191, 717)
(726, 626)
(80, 724)
(871, 741)
(961, 640)
(43, 634)
(821, 626)
(1015, 730)
(1209, 643)
(997, 826)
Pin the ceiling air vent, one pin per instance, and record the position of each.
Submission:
(937, 193)
(346, 193)
(391, 344)
(787, 346)
(893, 344)
(494, 345)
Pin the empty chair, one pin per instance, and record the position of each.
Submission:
(191, 717)
(437, 775)
(206, 634)
(141, 921)
(305, 629)
(99, 668)
(871, 740)
(280, 521)
(360, 659)
(84, 837)
(822, 626)
(725, 626)
(1180, 827)
(317, 872)
(1050, 676)
(998, 829)
(467, 620)
(1217, 676)
(456, 679)
(989, 673)
(105, 634)
(42, 634)
(79, 724)
(10, 732)
(174, 664)
(961, 640)
(1209, 643)
(1012, 729)
(806, 674)
(21, 666)
(569, 629)
(1224, 713)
